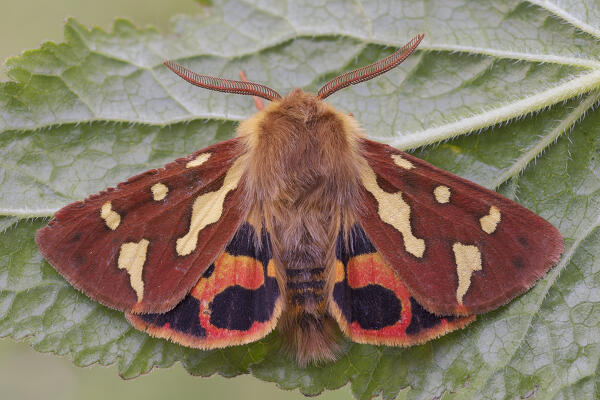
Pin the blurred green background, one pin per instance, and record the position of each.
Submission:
(27, 374)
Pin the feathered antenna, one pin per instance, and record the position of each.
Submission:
(223, 85)
(370, 71)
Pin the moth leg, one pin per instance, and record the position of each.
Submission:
(257, 100)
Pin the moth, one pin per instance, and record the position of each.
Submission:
(299, 223)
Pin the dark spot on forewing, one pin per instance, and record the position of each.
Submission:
(385, 185)
(524, 242)
(518, 262)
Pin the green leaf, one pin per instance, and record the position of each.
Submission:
(523, 77)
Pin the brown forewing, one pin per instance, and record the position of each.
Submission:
(80, 245)
(516, 254)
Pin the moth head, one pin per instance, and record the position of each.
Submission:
(259, 90)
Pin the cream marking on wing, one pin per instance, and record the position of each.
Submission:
(198, 161)
(442, 194)
(132, 258)
(159, 191)
(207, 209)
(401, 162)
(490, 222)
(468, 259)
(395, 211)
(110, 217)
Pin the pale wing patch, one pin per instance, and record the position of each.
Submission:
(490, 222)
(401, 162)
(395, 211)
(207, 209)
(132, 258)
(442, 194)
(110, 217)
(198, 161)
(159, 191)
(468, 259)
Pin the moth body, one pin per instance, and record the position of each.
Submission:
(302, 182)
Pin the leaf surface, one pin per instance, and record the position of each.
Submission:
(504, 94)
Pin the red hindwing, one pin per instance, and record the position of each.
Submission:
(142, 246)
(372, 305)
(460, 248)
(236, 301)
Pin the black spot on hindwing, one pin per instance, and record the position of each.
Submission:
(423, 319)
(372, 306)
(237, 308)
(183, 318)
(243, 244)
(209, 271)
(356, 244)
(369, 297)
(375, 307)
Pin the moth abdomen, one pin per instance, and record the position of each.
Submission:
(305, 287)
(311, 336)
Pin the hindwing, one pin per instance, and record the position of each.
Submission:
(236, 301)
(372, 305)
(140, 247)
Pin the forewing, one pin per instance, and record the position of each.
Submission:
(142, 246)
(459, 248)
(372, 305)
(236, 301)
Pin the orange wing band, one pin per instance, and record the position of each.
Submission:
(236, 301)
(373, 306)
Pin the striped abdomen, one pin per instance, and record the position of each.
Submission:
(303, 175)
(305, 288)
(310, 332)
